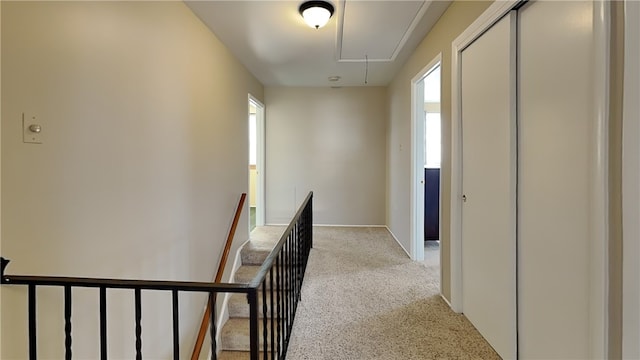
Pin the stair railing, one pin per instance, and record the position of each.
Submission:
(280, 276)
(202, 332)
(280, 279)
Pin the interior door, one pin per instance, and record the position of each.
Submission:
(556, 158)
(488, 76)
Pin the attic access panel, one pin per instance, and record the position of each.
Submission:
(377, 29)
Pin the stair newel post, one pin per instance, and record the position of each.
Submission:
(254, 346)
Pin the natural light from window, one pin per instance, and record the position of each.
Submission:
(432, 119)
(252, 139)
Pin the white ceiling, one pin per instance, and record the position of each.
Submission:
(364, 38)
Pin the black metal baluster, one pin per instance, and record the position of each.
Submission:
(138, 304)
(310, 221)
(289, 288)
(254, 345)
(32, 323)
(308, 233)
(273, 340)
(294, 272)
(298, 262)
(67, 322)
(309, 239)
(103, 323)
(265, 334)
(294, 269)
(285, 286)
(212, 327)
(301, 257)
(279, 314)
(293, 277)
(176, 327)
(303, 236)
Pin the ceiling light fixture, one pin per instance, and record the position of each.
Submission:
(316, 13)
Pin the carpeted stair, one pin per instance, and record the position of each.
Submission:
(235, 332)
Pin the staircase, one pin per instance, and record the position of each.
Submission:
(235, 332)
(284, 252)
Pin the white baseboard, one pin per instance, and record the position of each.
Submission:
(446, 301)
(356, 226)
(396, 239)
(336, 225)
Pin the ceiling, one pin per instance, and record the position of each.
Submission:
(364, 39)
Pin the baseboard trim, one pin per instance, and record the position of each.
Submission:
(446, 301)
(396, 239)
(356, 226)
(336, 225)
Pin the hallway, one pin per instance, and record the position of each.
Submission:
(363, 298)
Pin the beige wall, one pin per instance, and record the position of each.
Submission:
(331, 141)
(453, 22)
(144, 116)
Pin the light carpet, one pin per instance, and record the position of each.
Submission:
(363, 298)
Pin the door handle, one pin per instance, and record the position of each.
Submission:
(464, 198)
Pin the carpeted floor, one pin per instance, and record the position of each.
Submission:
(363, 298)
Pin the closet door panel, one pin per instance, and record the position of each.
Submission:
(555, 111)
(488, 161)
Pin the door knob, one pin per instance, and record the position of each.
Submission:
(464, 198)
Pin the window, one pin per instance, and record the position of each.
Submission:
(432, 119)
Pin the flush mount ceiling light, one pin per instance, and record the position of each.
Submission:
(316, 13)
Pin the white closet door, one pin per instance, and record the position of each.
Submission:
(631, 185)
(489, 174)
(555, 156)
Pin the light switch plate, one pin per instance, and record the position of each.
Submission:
(29, 136)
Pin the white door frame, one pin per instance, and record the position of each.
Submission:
(417, 161)
(599, 240)
(260, 166)
(631, 184)
(599, 188)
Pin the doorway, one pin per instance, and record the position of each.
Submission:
(426, 150)
(256, 163)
